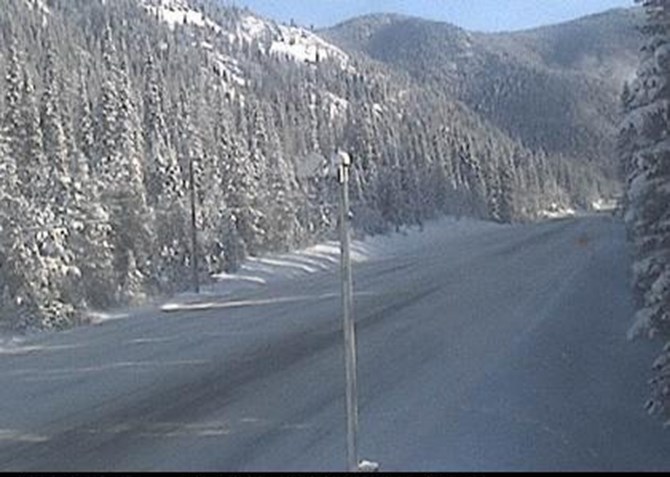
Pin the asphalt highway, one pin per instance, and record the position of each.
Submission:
(505, 350)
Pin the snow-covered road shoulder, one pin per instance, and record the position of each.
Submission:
(258, 272)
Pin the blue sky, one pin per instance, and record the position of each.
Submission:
(479, 15)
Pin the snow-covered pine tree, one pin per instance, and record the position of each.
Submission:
(239, 195)
(390, 199)
(283, 226)
(11, 204)
(471, 171)
(31, 162)
(223, 245)
(163, 177)
(409, 184)
(215, 212)
(423, 164)
(120, 171)
(166, 181)
(55, 151)
(258, 146)
(648, 215)
(57, 196)
(439, 179)
(13, 93)
(85, 133)
(506, 202)
(87, 219)
(363, 172)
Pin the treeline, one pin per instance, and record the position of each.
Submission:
(105, 110)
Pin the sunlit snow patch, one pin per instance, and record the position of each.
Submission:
(176, 12)
(98, 317)
(10, 343)
(14, 435)
(556, 211)
(604, 205)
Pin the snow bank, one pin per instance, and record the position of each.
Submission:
(97, 317)
(604, 205)
(9, 343)
(556, 211)
(258, 272)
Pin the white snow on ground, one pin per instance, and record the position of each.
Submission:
(9, 343)
(298, 44)
(294, 43)
(304, 46)
(285, 42)
(604, 205)
(257, 272)
(556, 211)
(97, 317)
(559, 211)
(175, 12)
(14, 345)
(251, 27)
(227, 68)
(40, 5)
(337, 106)
(179, 12)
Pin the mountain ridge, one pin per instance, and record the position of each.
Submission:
(555, 87)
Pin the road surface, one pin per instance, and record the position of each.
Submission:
(500, 351)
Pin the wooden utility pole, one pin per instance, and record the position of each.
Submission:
(194, 231)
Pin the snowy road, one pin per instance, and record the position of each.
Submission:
(500, 351)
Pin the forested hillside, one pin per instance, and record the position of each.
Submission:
(109, 108)
(555, 88)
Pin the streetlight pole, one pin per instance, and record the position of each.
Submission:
(347, 308)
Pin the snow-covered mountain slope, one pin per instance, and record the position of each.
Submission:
(299, 44)
(292, 43)
(38, 5)
(555, 87)
(175, 12)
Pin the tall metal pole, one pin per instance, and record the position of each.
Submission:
(347, 308)
(194, 232)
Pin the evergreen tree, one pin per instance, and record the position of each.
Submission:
(226, 248)
(163, 176)
(55, 149)
(12, 122)
(648, 216)
(32, 165)
(257, 169)
(283, 228)
(121, 172)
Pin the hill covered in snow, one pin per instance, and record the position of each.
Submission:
(108, 105)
